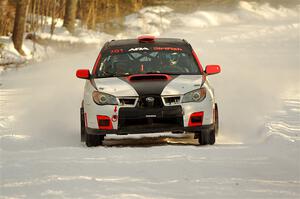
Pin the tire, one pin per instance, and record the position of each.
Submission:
(209, 137)
(206, 137)
(216, 128)
(94, 140)
(82, 125)
(90, 140)
(214, 132)
(212, 138)
(203, 137)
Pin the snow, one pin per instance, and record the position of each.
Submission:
(81, 36)
(257, 154)
(34, 52)
(10, 57)
(150, 20)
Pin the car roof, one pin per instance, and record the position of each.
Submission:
(160, 42)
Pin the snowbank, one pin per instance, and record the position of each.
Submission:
(46, 46)
(246, 12)
(150, 20)
(10, 57)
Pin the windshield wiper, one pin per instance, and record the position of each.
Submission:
(173, 73)
(158, 72)
(128, 74)
(108, 75)
(123, 75)
(114, 75)
(153, 72)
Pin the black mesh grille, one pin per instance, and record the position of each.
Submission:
(172, 100)
(127, 101)
(155, 118)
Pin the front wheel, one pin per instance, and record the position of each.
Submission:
(216, 119)
(82, 125)
(203, 137)
(209, 137)
(94, 140)
(206, 137)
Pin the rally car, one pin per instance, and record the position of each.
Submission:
(148, 85)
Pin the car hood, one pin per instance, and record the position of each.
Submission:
(121, 86)
(183, 84)
(115, 86)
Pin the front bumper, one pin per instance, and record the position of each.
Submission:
(149, 130)
(150, 120)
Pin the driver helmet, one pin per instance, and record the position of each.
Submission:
(173, 58)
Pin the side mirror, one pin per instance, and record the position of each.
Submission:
(83, 74)
(212, 69)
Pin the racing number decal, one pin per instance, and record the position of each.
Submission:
(113, 51)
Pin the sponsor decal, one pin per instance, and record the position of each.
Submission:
(113, 51)
(138, 49)
(150, 99)
(150, 116)
(167, 48)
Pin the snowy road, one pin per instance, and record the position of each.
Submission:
(257, 154)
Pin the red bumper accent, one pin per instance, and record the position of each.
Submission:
(196, 119)
(104, 122)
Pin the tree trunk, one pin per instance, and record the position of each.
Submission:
(70, 14)
(19, 25)
(92, 16)
(3, 18)
(53, 23)
(86, 8)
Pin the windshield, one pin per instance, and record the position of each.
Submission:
(145, 62)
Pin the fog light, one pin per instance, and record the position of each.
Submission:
(104, 122)
(196, 119)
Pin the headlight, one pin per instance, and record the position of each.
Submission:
(104, 99)
(194, 96)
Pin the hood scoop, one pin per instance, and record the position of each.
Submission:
(149, 77)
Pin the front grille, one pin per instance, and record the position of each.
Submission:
(127, 101)
(150, 118)
(144, 102)
(172, 100)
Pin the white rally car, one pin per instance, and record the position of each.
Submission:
(148, 85)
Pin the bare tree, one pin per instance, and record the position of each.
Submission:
(70, 15)
(53, 23)
(3, 21)
(19, 25)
